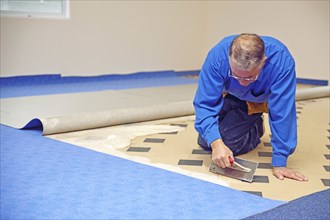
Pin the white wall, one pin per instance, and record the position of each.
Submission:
(103, 37)
(301, 25)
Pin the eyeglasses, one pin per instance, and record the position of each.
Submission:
(250, 79)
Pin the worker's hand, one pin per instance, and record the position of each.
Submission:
(221, 154)
(284, 172)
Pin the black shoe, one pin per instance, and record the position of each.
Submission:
(261, 126)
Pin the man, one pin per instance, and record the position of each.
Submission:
(242, 77)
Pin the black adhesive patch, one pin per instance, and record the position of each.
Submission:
(196, 151)
(154, 140)
(326, 182)
(328, 146)
(264, 154)
(180, 125)
(254, 193)
(267, 144)
(139, 149)
(260, 179)
(265, 166)
(327, 156)
(174, 132)
(327, 168)
(191, 162)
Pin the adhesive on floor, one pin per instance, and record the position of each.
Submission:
(197, 151)
(260, 179)
(139, 149)
(267, 144)
(326, 182)
(264, 154)
(265, 166)
(154, 140)
(191, 162)
(254, 193)
(312, 137)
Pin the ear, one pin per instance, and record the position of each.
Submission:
(263, 62)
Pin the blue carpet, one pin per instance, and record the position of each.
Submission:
(55, 84)
(46, 179)
(18, 86)
(314, 206)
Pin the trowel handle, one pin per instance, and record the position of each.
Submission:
(231, 160)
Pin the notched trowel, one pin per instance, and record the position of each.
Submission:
(239, 169)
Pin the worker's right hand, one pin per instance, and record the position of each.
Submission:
(221, 154)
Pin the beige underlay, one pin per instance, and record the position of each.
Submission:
(309, 159)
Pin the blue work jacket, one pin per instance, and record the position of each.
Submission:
(276, 85)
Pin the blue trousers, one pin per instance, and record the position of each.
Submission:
(239, 131)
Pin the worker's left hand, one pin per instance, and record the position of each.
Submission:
(284, 172)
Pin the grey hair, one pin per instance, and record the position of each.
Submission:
(246, 51)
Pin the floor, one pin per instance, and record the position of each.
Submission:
(138, 151)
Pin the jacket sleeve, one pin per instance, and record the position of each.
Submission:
(208, 99)
(282, 116)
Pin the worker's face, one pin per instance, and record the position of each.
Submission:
(245, 77)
